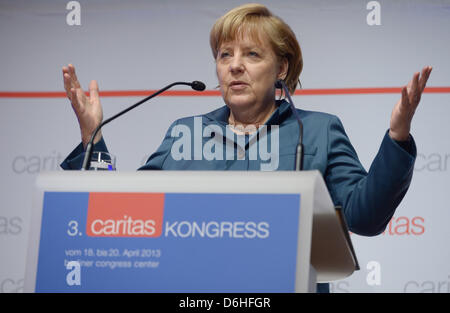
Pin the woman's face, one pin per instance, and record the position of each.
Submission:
(247, 71)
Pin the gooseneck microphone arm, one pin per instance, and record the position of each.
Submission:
(299, 152)
(196, 85)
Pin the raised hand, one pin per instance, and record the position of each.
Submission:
(405, 108)
(88, 110)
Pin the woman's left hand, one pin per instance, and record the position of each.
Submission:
(405, 108)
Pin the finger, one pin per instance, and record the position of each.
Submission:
(427, 75)
(93, 91)
(423, 78)
(75, 81)
(405, 99)
(414, 95)
(71, 80)
(409, 85)
(66, 78)
(67, 85)
(74, 100)
(65, 71)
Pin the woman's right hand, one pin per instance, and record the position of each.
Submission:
(88, 110)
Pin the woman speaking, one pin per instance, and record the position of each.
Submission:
(253, 49)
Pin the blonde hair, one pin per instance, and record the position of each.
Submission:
(255, 20)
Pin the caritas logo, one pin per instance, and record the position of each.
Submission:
(125, 214)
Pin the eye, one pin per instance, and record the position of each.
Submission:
(253, 54)
(224, 54)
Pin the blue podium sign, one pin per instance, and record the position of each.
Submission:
(168, 242)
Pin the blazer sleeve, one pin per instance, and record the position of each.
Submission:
(368, 199)
(74, 161)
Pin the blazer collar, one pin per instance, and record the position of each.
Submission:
(221, 114)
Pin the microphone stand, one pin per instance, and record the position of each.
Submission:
(299, 152)
(196, 85)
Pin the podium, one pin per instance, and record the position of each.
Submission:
(185, 231)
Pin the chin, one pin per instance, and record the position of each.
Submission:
(240, 101)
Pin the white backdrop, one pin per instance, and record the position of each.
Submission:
(144, 45)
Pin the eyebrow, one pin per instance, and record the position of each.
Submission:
(245, 47)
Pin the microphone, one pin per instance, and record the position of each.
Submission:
(196, 85)
(199, 86)
(280, 84)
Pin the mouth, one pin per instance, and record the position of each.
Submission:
(238, 85)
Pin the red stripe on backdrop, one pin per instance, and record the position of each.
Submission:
(215, 93)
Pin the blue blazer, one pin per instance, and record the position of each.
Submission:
(368, 199)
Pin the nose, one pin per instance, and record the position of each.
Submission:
(236, 65)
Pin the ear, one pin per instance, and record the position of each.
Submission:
(284, 66)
